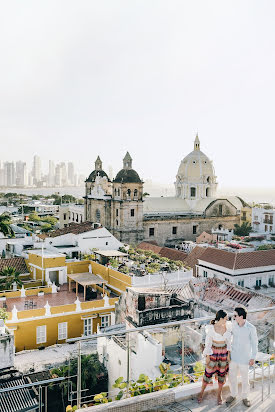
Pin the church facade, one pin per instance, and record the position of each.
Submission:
(120, 206)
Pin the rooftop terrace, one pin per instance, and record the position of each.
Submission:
(62, 297)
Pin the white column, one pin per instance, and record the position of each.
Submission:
(22, 292)
(47, 309)
(77, 305)
(14, 314)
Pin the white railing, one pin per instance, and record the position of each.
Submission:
(158, 279)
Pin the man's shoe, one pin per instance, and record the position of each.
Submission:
(230, 399)
(247, 402)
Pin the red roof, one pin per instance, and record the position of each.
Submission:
(149, 246)
(242, 260)
(194, 255)
(75, 228)
(18, 263)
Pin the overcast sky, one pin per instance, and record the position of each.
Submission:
(82, 78)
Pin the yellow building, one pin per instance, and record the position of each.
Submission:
(246, 215)
(49, 314)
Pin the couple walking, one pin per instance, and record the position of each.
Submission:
(230, 347)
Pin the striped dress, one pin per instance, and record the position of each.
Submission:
(217, 347)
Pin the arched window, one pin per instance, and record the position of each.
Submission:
(97, 215)
(208, 179)
(115, 192)
(220, 227)
(128, 192)
(207, 192)
(118, 192)
(135, 193)
(193, 192)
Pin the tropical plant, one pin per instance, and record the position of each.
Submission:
(93, 375)
(146, 385)
(9, 276)
(242, 230)
(3, 314)
(34, 217)
(5, 222)
(102, 398)
(46, 227)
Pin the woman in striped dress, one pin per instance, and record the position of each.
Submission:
(217, 352)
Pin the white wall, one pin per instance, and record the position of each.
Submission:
(178, 277)
(146, 359)
(239, 275)
(96, 238)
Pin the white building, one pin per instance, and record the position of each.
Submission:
(145, 356)
(21, 175)
(70, 213)
(80, 238)
(263, 220)
(36, 171)
(51, 173)
(9, 174)
(247, 269)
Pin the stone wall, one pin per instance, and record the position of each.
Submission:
(6, 351)
(139, 403)
(163, 227)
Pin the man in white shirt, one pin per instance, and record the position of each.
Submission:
(243, 354)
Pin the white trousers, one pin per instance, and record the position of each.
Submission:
(234, 368)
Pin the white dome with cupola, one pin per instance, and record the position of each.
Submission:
(196, 176)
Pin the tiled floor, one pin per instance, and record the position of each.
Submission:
(209, 403)
(63, 297)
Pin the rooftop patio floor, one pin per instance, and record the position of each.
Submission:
(62, 297)
(209, 403)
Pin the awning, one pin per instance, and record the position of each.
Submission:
(110, 253)
(86, 279)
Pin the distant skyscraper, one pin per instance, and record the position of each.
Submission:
(57, 180)
(71, 173)
(36, 171)
(9, 174)
(64, 175)
(51, 175)
(21, 173)
(2, 178)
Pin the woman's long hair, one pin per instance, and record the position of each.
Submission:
(221, 314)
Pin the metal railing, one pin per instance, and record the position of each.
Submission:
(185, 334)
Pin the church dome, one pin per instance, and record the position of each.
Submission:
(196, 167)
(97, 172)
(196, 176)
(127, 176)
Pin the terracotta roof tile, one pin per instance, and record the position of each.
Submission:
(18, 263)
(239, 260)
(75, 228)
(192, 259)
(149, 246)
(173, 254)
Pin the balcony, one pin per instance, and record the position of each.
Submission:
(179, 344)
(268, 221)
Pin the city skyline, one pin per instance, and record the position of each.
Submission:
(19, 174)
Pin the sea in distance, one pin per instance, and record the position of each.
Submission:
(256, 195)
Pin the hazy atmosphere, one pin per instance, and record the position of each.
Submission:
(80, 79)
